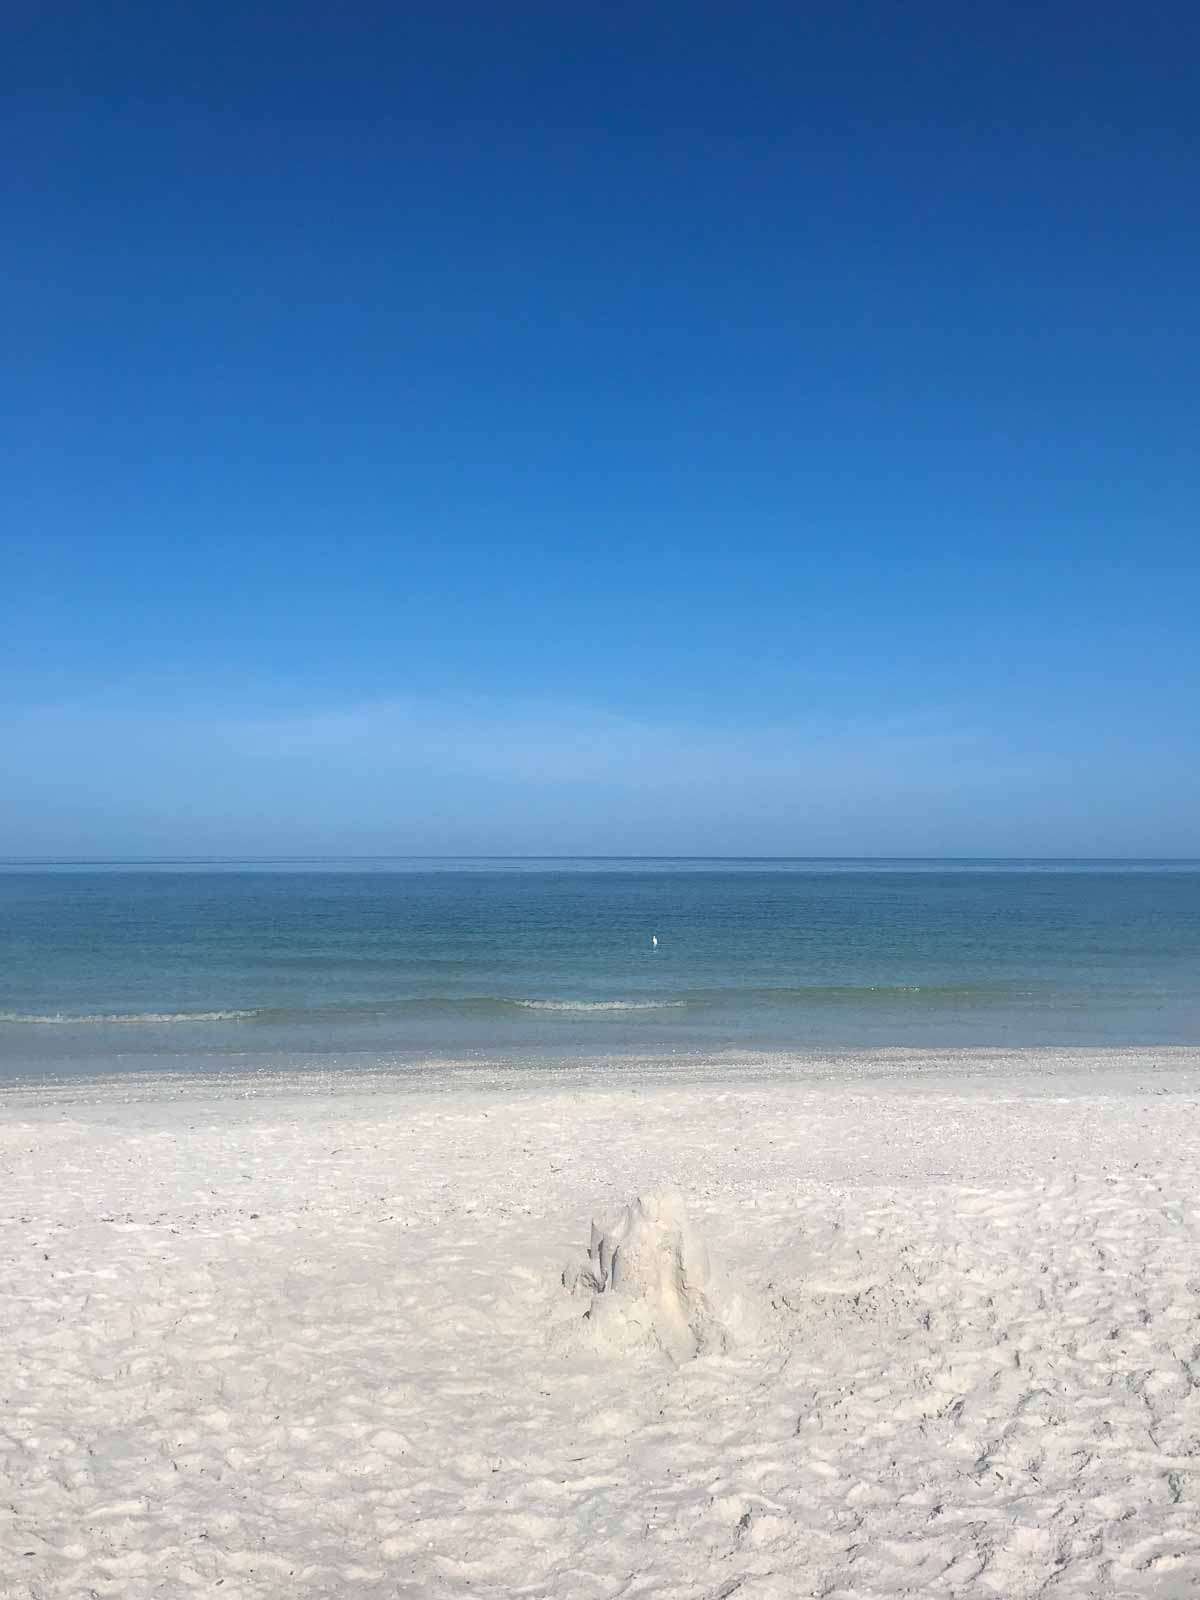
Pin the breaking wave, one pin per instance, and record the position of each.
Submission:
(126, 1017)
(481, 1007)
(466, 1005)
(597, 1005)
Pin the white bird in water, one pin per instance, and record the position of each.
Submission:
(654, 941)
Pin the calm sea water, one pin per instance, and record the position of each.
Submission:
(229, 964)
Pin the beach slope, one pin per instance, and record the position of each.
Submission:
(314, 1339)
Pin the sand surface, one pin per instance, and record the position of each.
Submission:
(312, 1339)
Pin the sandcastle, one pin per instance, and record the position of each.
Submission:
(652, 1282)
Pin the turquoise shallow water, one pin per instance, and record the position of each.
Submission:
(124, 967)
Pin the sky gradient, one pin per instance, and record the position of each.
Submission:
(521, 429)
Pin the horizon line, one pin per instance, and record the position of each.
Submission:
(160, 860)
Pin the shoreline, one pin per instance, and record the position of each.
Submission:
(310, 1336)
(1034, 1069)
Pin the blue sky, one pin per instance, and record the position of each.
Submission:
(658, 429)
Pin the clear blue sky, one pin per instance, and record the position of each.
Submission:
(541, 428)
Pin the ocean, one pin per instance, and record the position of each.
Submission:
(202, 966)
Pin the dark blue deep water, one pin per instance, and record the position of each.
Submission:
(123, 967)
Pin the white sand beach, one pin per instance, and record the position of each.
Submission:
(312, 1338)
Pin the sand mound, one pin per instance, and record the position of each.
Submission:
(652, 1282)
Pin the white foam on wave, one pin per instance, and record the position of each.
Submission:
(60, 1017)
(598, 1005)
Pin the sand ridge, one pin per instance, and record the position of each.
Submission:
(311, 1346)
